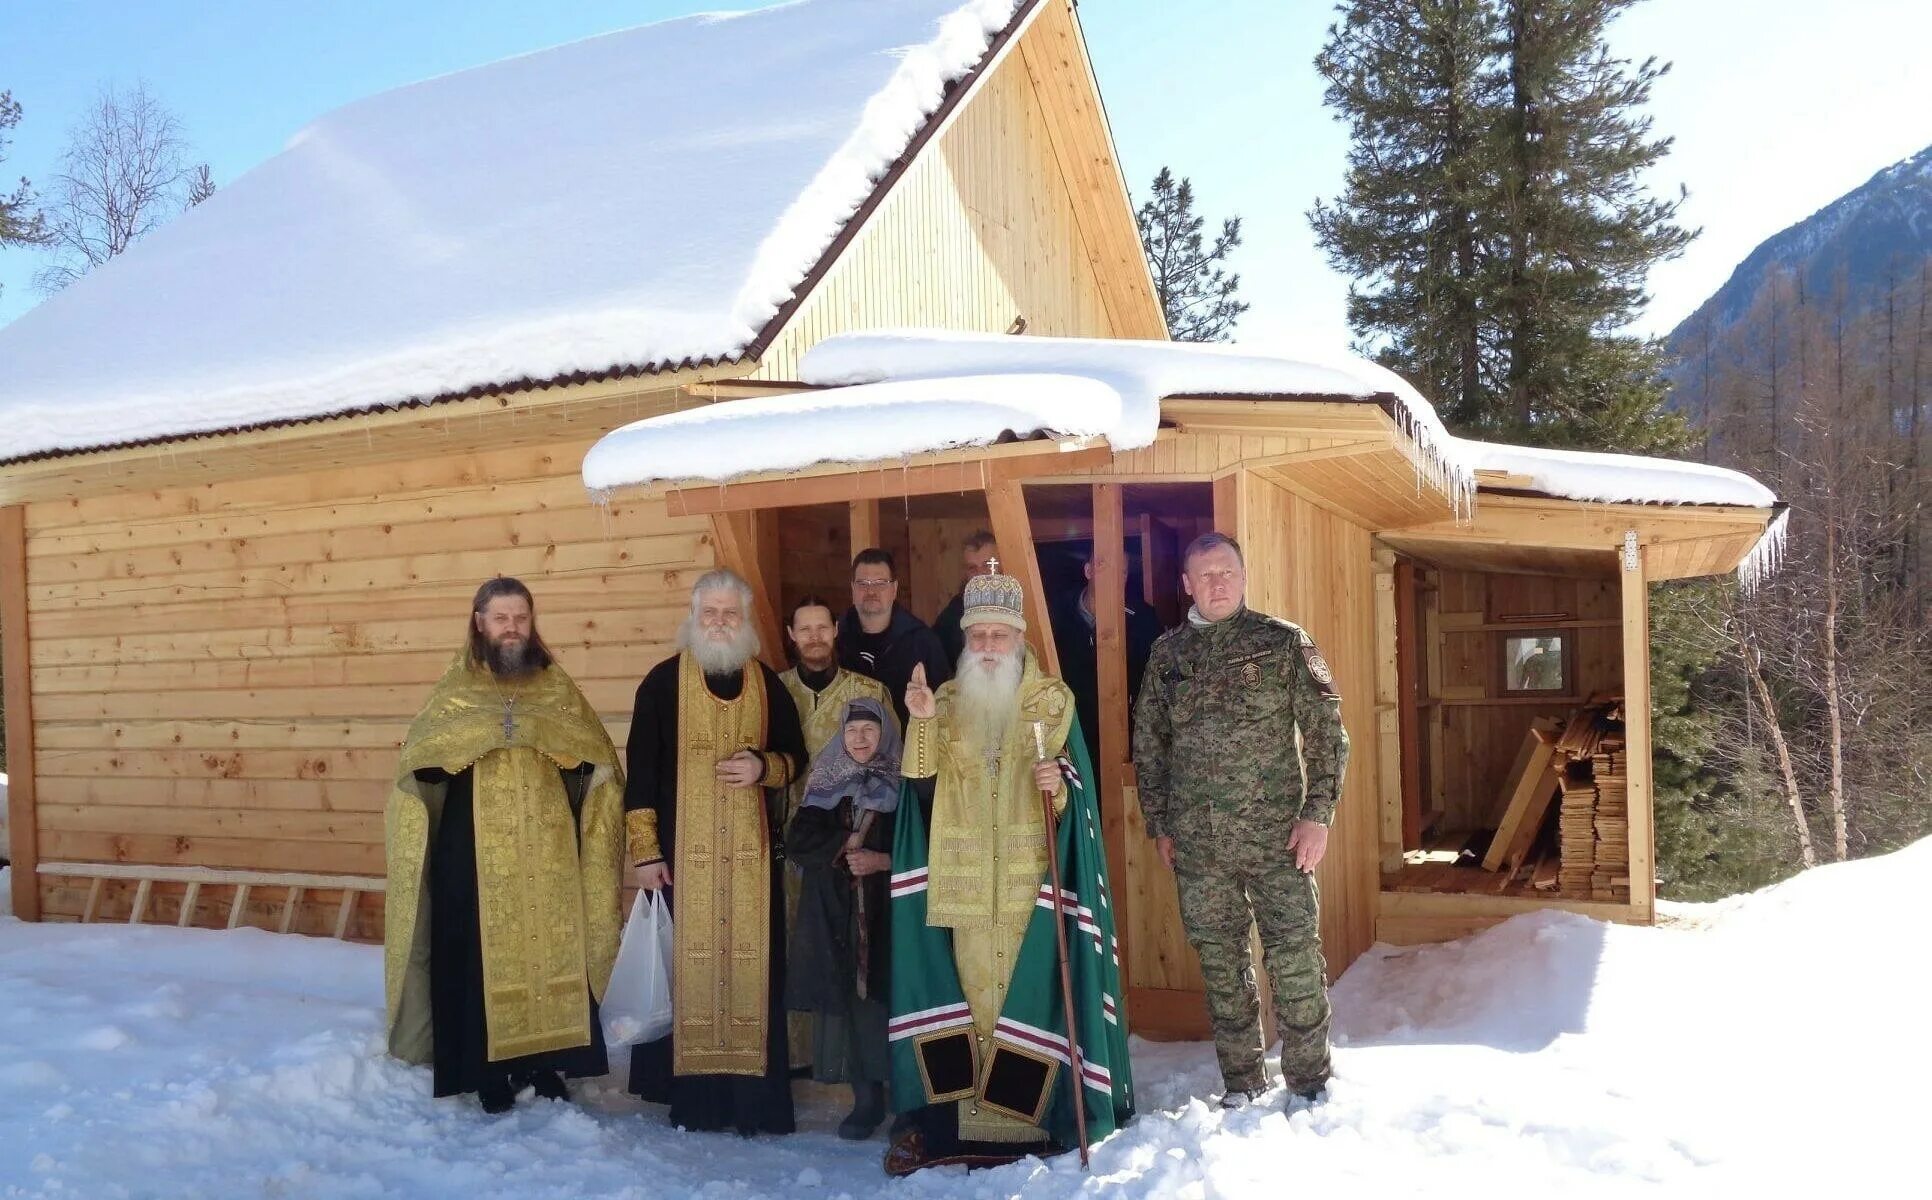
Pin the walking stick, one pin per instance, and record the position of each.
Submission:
(1060, 938)
(862, 940)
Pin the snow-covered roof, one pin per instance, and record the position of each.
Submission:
(866, 423)
(632, 201)
(890, 395)
(957, 387)
(1617, 478)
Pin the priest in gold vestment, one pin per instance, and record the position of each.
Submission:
(505, 842)
(820, 689)
(714, 746)
(974, 755)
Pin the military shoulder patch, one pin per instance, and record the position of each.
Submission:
(1317, 667)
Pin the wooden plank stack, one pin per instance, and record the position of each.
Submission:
(1588, 763)
(1611, 878)
(1576, 832)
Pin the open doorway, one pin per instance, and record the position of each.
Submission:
(1512, 731)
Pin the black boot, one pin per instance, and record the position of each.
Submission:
(868, 1109)
(496, 1093)
(549, 1085)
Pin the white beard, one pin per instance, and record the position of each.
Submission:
(986, 699)
(716, 657)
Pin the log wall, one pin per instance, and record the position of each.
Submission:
(221, 676)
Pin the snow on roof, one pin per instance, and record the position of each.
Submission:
(637, 199)
(892, 394)
(1145, 373)
(1618, 478)
(854, 424)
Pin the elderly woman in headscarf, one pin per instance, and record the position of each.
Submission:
(841, 842)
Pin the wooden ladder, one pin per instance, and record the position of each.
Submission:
(295, 885)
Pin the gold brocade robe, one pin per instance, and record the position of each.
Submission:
(821, 716)
(547, 887)
(987, 854)
(721, 980)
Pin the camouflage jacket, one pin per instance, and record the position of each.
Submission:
(1215, 744)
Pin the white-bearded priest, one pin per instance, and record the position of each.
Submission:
(714, 743)
(973, 755)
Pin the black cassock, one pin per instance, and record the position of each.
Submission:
(748, 1103)
(456, 956)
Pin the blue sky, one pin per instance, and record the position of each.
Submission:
(1777, 108)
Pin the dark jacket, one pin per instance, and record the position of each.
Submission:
(822, 962)
(907, 644)
(1074, 639)
(952, 639)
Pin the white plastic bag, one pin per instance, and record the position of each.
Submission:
(637, 1004)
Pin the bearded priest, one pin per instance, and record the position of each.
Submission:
(504, 839)
(979, 755)
(714, 744)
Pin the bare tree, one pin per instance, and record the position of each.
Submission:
(124, 172)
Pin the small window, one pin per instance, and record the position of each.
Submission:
(1536, 663)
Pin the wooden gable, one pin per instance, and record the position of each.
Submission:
(1012, 210)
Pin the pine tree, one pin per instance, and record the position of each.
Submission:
(1494, 214)
(20, 224)
(1581, 231)
(1415, 224)
(1196, 292)
(201, 185)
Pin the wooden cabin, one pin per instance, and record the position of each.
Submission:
(238, 533)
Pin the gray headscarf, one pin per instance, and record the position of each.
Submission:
(873, 784)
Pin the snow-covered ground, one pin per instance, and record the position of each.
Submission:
(1776, 1038)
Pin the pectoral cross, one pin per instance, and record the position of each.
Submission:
(509, 719)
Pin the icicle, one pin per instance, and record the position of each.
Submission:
(1766, 557)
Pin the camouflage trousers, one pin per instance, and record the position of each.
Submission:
(1220, 899)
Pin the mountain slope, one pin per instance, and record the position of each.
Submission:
(1881, 226)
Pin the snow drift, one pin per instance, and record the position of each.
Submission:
(1775, 1037)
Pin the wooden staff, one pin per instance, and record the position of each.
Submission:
(1060, 939)
(862, 940)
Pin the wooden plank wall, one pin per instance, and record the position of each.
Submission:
(1309, 566)
(1482, 731)
(222, 675)
(972, 237)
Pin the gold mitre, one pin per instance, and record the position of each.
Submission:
(993, 599)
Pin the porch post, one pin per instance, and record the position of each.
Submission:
(22, 823)
(1636, 726)
(736, 537)
(1006, 504)
(1110, 650)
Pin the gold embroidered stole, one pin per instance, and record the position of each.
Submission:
(722, 872)
(530, 906)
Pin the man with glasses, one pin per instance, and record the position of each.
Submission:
(880, 639)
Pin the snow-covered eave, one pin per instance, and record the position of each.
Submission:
(671, 372)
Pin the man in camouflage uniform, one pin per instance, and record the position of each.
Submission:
(1239, 808)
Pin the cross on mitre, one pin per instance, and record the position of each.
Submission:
(992, 564)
